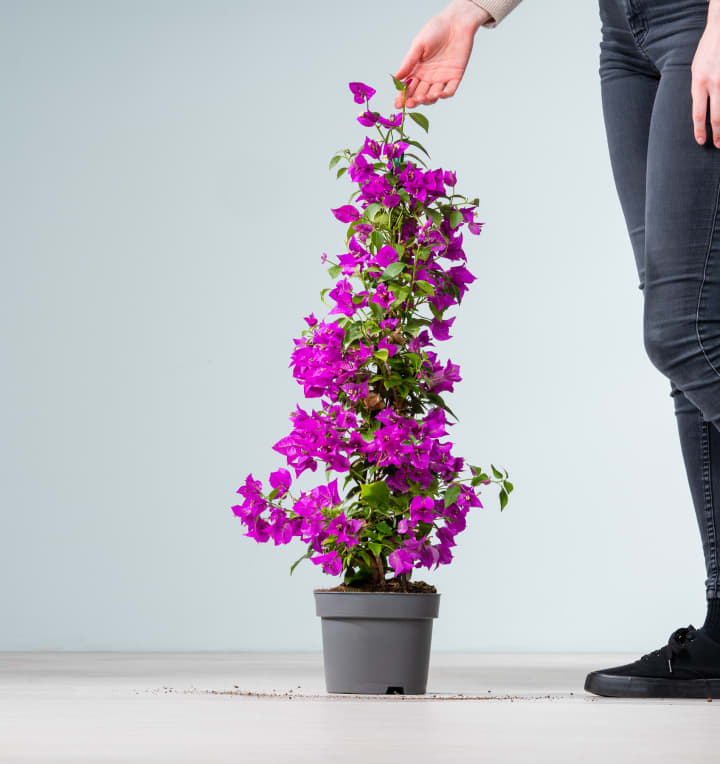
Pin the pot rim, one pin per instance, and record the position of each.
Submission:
(393, 594)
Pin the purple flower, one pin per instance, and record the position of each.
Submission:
(331, 562)
(394, 121)
(386, 255)
(401, 561)
(441, 329)
(395, 149)
(368, 118)
(406, 526)
(360, 169)
(371, 148)
(361, 91)
(280, 479)
(346, 214)
(421, 508)
(362, 230)
(384, 344)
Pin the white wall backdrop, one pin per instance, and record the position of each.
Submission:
(165, 200)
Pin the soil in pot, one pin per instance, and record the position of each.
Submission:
(390, 585)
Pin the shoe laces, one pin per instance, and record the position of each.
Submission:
(677, 642)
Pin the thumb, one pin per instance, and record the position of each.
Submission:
(411, 58)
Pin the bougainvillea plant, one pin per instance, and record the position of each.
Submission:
(382, 418)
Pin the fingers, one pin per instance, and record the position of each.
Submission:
(434, 93)
(699, 108)
(450, 88)
(428, 93)
(411, 58)
(410, 90)
(420, 92)
(715, 113)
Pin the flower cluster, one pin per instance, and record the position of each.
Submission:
(370, 363)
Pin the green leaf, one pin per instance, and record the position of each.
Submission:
(435, 216)
(496, 472)
(365, 557)
(334, 161)
(334, 271)
(416, 325)
(354, 332)
(341, 171)
(371, 210)
(384, 528)
(508, 486)
(377, 310)
(415, 156)
(300, 559)
(374, 547)
(382, 354)
(375, 493)
(503, 499)
(377, 239)
(368, 437)
(392, 270)
(401, 294)
(419, 146)
(274, 493)
(356, 579)
(451, 495)
(440, 402)
(425, 286)
(398, 84)
(421, 119)
(456, 217)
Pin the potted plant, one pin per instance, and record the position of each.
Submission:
(381, 415)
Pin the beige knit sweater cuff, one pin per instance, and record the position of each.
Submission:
(498, 9)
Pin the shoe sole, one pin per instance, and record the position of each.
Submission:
(614, 686)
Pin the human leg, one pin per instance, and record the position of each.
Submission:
(682, 273)
(632, 71)
(660, 174)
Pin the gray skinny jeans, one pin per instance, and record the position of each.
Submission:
(669, 187)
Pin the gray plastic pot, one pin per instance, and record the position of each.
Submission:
(376, 642)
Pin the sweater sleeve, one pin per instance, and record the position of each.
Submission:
(498, 9)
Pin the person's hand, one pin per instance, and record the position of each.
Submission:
(705, 70)
(439, 53)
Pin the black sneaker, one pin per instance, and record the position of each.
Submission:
(688, 666)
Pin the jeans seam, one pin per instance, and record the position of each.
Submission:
(704, 278)
(640, 42)
(708, 496)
